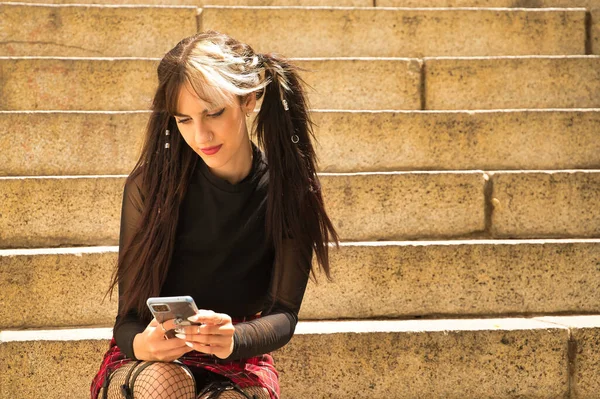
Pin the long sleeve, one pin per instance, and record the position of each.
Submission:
(275, 329)
(126, 328)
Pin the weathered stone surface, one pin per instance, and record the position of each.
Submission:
(556, 204)
(429, 359)
(93, 30)
(595, 29)
(360, 84)
(401, 32)
(512, 82)
(57, 288)
(347, 141)
(129, 84)
(49, 369)
(466, 278)
(499, 358)
(77, 84)
(585, 341)
(393, 206)
(487, 3)
(60, 211)
(485, 140)
(200, 3)
(369, 280)
(343, 3)
(65, 211)
(70, 143)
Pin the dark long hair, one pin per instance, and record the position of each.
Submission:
(217, 66)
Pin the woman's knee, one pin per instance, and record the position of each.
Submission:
(250, 392)
(164, 381)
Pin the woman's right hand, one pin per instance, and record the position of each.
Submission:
(152, 345)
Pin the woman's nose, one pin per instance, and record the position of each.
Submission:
(202, 134)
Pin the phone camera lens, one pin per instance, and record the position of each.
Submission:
(161, 308)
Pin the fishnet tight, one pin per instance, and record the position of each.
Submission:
(171, 381)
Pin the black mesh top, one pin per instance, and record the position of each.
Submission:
(223, 260)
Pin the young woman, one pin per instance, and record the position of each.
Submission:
(208, 214)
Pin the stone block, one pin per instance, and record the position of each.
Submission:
(553, 204)
(93, 30)
(512, 82)
(401, 32)
(31, 83)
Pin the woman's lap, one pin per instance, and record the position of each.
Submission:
(171, 380)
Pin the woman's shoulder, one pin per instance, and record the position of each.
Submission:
(132, 189)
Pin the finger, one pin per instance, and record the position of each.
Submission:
(218, 340)
(165, 326)
(222, 329)
(162, 344)
(210, 317)
(205, 348)
(216, 350)
(154, 322)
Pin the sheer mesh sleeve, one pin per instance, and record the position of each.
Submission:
(275, 328)
(126, 328)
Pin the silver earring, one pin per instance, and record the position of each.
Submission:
(297, 139)
(167, 144)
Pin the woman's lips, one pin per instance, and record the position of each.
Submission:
(211, 150)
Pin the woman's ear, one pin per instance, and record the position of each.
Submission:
(250, 102)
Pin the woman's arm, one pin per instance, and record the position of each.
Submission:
(126, 328)
(274, 329)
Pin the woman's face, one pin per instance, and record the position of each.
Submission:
(225, 127)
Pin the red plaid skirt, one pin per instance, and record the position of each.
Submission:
(254, 371)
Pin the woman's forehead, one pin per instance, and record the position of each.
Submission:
(202, 102)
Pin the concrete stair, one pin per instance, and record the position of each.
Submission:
(341, 32)
(469, 215)
(500, 358)
(387, 279)
(107, 142)
(335, 83)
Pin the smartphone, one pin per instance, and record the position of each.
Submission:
(177, 308)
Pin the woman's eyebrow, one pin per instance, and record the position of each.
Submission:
(204, 112)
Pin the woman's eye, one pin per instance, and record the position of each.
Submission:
(183, 121)
(217, 114)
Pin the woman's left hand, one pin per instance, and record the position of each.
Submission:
(214, 336)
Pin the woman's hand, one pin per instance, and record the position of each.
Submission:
(214, 336)
(152, 345)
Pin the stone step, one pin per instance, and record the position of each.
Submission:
(370, 280)
(512, 82)
(402, 32)
(467, 3)
(450, 358)
(46, 83)
(137, 31)
(84, 210)
(200, 3)
(93, 30)
(343, 3)
(565, 196)
(108, 143)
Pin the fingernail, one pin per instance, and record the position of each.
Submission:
(189, 344)
(180, 336)
(180, 330)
